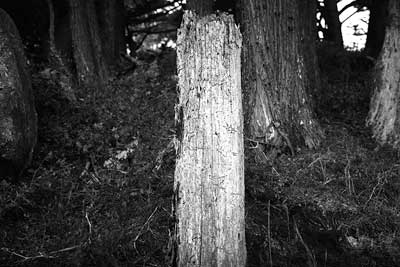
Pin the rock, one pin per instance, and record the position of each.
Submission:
(18, 119)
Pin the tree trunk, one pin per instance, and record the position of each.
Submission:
(331, 15)
(62, 31)
(64, 79)
(277, 109)
(209, 174)
(308, 39)
(90, 66)
(376, 27)
(112, 23)
(384, 116)
(201, 7)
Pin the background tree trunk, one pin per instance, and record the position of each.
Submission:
(376, 27)
(112, 24)
(308, 39)
(277, 109)
(201, 7)
(384, 116)
(209, 174)
(331, 15)
(62, 31)
(65, 80)
(90, 66)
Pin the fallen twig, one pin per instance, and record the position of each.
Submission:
(49, 255)
(312, 261)
(379, 184)
(269, 234)
(90, 227)
(141, 228)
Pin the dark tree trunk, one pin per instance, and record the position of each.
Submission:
(56, 60)
(62, 31)
(201, 7)
(384, 115)
(331, 15)
(274, 76)
(112, 24)
(87, 49)
(308, 40)
(376, 27)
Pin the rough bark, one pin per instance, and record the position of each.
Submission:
(209, 174)
(384, 115)
(334, 30)
(277, 109)
(376, 27)
(201, 7)
(18, 120)
(112, 23)
(308, 40)
(87, 49)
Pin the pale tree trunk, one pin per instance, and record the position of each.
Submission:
(376, 27)
(331, 15)
(87, 50)
(274, 78)
(384, 115)
(209, 174)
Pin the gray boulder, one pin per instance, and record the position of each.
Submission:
(18, 119)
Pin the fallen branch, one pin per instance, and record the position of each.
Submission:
(49, 255)
(312, 261)
(142, 228)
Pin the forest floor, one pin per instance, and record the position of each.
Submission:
(99, 191)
